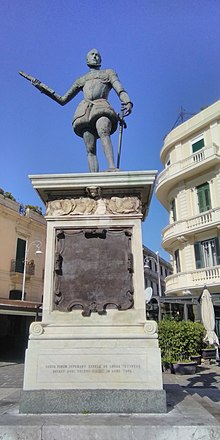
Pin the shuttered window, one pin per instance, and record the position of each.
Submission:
(197, 145)
(177, 260)
(20, 255)
(204, 199)
(217, 243)
(173, 209)
(207, 253)
(198, 255)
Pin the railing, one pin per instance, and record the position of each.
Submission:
(193, 279)
(185, 226)
(189, 162)
(17, 266)
(208, 273)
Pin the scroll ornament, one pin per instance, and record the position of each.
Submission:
(36, 329)
(150, 328)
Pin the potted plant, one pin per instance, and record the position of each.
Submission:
(209, 352)
(179, 341)
(196, 357)
(167, 364)
(185, 366)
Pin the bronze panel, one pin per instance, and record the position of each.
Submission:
(93, 270)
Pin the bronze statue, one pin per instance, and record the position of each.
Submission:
(94, 117)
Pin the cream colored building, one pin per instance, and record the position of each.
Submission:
(189, 188)
(19, 234)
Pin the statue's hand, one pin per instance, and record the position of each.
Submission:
(36, 83)
(127, 108)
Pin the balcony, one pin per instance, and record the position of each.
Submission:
(17, 269)
(182, 229)
(198, 162)
(209, 276)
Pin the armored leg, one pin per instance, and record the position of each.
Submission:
(103, 127)
(90, 142)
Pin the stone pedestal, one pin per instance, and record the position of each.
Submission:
(94, 351)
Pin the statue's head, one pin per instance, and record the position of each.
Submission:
(93, 58)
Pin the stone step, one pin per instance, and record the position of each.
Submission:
(211, 406)
(186, 418)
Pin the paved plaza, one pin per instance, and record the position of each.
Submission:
(193, 412)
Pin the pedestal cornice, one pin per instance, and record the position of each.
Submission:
(121, 183)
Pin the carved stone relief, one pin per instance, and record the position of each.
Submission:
(95, 205)
(123, 205)
(83, 205)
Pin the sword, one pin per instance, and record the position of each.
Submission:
(122, 125)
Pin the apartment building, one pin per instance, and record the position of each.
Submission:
(22, 236)
(156, 269)
(189, 188)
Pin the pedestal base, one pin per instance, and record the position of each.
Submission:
(94, 350)
(92, 401)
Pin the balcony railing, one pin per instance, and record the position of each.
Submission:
(189, 162)
(185, 227)
(193, 279)
(17, 266)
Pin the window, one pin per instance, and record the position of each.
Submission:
(20, 255)
(173, 209)
(198, 144)
(204, 199)
(207, 253)
(177, 260)
(167, 161)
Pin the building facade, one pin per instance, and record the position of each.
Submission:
(156, 269)
(189, 188)
(22, 233)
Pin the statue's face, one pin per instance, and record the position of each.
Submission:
(93, 58)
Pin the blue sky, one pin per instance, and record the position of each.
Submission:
(166, 54)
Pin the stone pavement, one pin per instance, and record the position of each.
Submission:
(193, 412)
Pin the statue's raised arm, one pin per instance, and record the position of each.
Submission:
(94, 117)
(62, 100)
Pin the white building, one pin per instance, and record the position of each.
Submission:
(156, 269)
(189, 188)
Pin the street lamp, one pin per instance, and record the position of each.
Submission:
(38, 251)
(147, 259)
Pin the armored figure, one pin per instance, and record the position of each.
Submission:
(94, 117)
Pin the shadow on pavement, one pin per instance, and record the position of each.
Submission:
(175, 394)
(204, 378)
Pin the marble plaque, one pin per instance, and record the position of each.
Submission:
(91, 368)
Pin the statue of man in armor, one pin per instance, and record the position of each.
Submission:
(94, 117)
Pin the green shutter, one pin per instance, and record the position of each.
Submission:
(207, 198)
(204, 198)
(217, 244)
(177, 260)
(20, 255)
(196, 146)
(198, 255)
